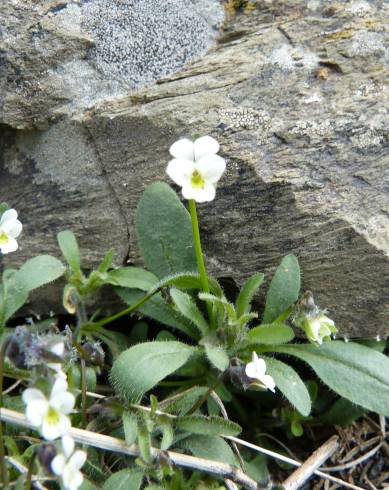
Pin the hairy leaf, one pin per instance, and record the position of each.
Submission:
(164, 231)
(290, 384)
(130, 427)
(217, 356)
(189, 310)
(284, 289)
(210, 447)
(132, 277)
(353, 371)
(247, 293)
(274, 333)
(212, 426)
(141, 367)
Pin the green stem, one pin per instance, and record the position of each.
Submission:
(3, 469)
(30, 471)
(83, 392)
(128, 310)
(199, 255)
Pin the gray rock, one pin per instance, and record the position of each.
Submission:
(296, 94)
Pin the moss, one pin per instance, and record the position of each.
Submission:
(345, 34)
(233, 6)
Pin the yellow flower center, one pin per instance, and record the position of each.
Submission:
(197, 180)
(3, 237)
(52, 416)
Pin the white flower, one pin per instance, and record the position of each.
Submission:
(256, 369)
(68, 464)
(319, 327)
(50, 415)
(196, 167)
(10, 229)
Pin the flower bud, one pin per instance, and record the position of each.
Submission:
(93, 354)
(310, 318)
(69, 300)
(17, 345)
(46, 453)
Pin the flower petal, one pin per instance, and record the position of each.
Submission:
(67, 445)
(211, 167)
(11, 245)
(63, 402)
(58, 349)
(206, 145)
(180, 170)
(32, 394)
(10, 214)
(36, 411)
(182, 148)
(58, 464)
(60, 386)
(12, 228)
(269, 382)
(51, 431)
(204, 194)
(72, 480)
(77, 460)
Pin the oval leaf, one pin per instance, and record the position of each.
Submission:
(69, 247)
(217, 356)
(284, 289)
(132, 277)
(127, 479)
(352, 370)
(212, 426)
(290, 384)
(270, 334)
(141, 367)
(164, 231)
(39, 271)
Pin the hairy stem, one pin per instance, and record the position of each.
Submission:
(199, 255)
(30, 471)
(83, 392)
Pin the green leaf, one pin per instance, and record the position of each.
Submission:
(284, 288)
(212, 426)
(217, 356)
(290, 384)
(157, 309)
(69, 247)
(247, 293)
(105, 264)
(127, 479)
(164, 231)
(39, 271)
(167, 436)
(210, 447)
(130, 427)
(353, 371)
(270, 334)
(14, 295)
(141, 367)
(189, 310)
(132, 277)
(222, 302)
(182, 402)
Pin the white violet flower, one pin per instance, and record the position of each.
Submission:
(67, 464)
(196, 167)
(50, 415)
(10, 229)
(256, 369)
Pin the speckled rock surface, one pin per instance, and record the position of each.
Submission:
(296, 92)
